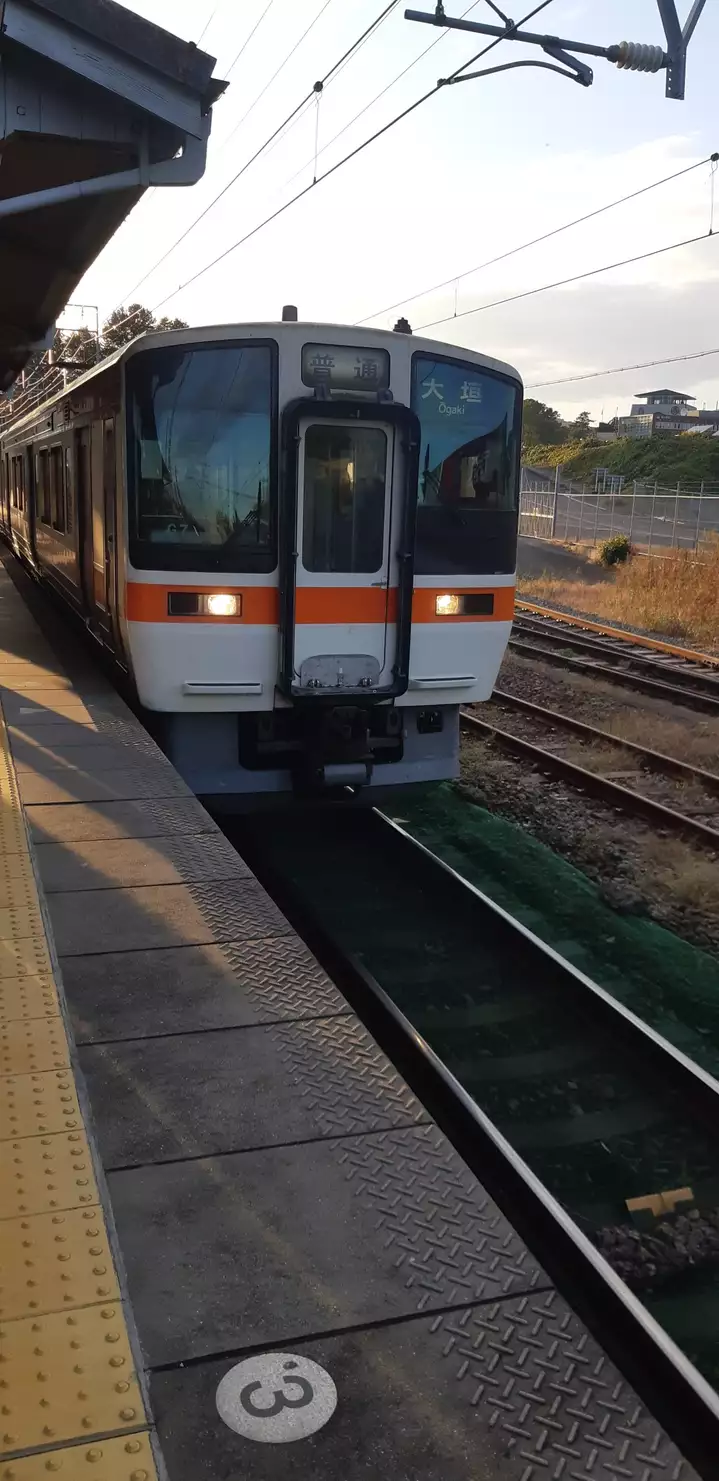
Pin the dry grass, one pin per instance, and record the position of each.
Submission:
(690, 877)
(699, 746)
(676, 594)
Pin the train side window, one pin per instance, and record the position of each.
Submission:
(57, 488)
(43, 486)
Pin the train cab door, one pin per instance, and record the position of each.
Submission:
(348, 504)
(83, 479)
(97, 476)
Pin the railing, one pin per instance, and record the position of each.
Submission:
(652, 516)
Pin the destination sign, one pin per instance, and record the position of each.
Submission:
(345, 367)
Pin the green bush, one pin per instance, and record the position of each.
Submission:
(615, 551)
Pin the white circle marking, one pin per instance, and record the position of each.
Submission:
(276, 1397)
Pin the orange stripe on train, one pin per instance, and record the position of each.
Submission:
(318, 605)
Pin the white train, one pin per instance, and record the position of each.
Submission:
(299, 541)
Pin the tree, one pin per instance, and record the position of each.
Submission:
(124, 324)
(542, 424)
(580, 428)
(165, 323)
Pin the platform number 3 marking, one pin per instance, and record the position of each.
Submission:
(276, 1398)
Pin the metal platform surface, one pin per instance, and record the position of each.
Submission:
(268, 1181)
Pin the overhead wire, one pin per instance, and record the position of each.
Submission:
(248, 39)
(295, 46)
(562, 282)
(592, 375)
(442, 37)
(535, 241)
(208, 23)
(338, 165)
(295, 112)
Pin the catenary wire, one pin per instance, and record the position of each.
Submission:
(442, 37)
(562, 282)
(378, 134)
(207, 24)
(262, 148)
(248, 39)
(592, 375)
(295, 46)
(535, 241)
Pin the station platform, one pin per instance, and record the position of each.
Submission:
(204, 1158)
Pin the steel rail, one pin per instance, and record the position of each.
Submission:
(694, 699)
(607, 629)
(655, 760)
(613, 793)
(674, 1391)
(641, 662)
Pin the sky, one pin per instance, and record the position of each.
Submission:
(479, 169)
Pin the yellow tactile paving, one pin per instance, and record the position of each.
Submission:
(30, 1044)
(41, 1174)
(20, 921)
(54, 1262)
(128, 1458)
(67, 1376)
(66, 1367)
(36, 1105)
(12, 868)
(28, 997)
(12, 832)
(27, 954)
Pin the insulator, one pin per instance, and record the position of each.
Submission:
(635, 56)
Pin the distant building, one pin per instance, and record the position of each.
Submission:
(665, 411)
(664, 403)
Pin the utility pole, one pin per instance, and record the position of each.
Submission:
(632, 56)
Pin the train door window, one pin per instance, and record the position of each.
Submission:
(69, 492)
(20, 481)
(57, 488)
(43, 486)
(344, 498)
(16, 481)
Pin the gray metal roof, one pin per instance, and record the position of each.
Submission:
(91, 90)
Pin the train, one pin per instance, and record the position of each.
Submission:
(297, 541)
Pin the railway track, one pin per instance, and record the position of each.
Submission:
(647, 765)
(579, 1117)
(661, 670)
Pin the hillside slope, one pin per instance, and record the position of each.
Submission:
(669, 460)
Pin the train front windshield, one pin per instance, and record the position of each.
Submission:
(469, 467)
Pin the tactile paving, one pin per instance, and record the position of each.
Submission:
(28, 997)
(66, 1375)
(24, 954)
(36, 1105)
(54, 1262)
(13, 838)
(30, 1044)
(16, 874)
(39, 1174)
(22, 920)
(127, 1458)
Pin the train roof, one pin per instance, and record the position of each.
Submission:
(153, 339)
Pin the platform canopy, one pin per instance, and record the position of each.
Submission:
(96, 104)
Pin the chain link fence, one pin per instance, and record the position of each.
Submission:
(651, 515)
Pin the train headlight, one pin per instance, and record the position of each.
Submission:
(447, 605)
(222, 604)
